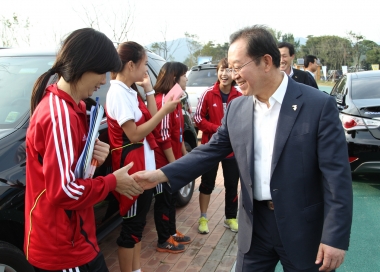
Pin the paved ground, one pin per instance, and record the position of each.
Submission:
(215, 251)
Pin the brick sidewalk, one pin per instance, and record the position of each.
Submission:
(215, 251)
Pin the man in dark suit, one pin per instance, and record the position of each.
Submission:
(311, 66)
(286, 64)
(296, 191)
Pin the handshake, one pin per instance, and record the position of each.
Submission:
(135, 184)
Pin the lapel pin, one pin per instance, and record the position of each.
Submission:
(294, 107)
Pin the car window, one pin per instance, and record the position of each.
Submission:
(202, 78)
(340, 89)
(17, 77)
(366, 88)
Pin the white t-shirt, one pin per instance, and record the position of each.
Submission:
(122, 106)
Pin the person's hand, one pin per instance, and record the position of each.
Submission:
(170, 105)
(146, 84)
(332, 257)
(149, 179)
(101, 151)
(125, 184)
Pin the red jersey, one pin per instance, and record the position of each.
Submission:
(59, 217)
(210, 110)
(169, 132)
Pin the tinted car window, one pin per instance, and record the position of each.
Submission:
(202, 78)
(366, 88)
(339, 89)
(17, 77)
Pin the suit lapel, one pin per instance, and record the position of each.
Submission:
(247, 127)
(291, 106)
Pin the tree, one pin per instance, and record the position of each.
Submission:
(276, 34)
(14, 30)
(109, 18)
(165, 49)
(289, 37)
(373, 56)
(216, 51)
(194, 48)
(333, 51)
(357, 47)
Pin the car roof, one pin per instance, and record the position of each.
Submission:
(24, 52)
(203, 66)
(364, 74)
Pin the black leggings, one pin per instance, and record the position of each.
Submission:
(231, 179)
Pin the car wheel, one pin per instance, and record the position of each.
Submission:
(13, 259)
(186, 192)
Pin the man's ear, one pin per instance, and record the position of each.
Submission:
(268, 61)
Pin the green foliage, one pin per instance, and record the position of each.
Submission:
(373, 56)
(194, 48)
(286, 37)
(333, 51)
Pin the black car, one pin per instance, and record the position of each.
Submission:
(19, 69)
(358, 100)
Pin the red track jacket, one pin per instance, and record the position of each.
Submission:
(209, 112)
(59, 215)
(170, 131)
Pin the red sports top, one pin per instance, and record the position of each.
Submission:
(59, 215)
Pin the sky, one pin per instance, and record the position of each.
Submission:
(211, 20)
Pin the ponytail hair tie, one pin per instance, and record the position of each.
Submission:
(51, 71)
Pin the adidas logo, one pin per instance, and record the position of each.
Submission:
(84, 138)
(214, 105)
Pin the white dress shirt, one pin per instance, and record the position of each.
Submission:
(311, 73)
(265, 124)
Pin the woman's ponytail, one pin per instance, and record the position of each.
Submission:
(39, 89)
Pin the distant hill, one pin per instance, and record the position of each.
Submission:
(180, 52)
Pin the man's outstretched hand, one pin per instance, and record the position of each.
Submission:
(149, 179)
(125, 184)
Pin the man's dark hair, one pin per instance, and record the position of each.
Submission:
(287, 45)
(308, 59)
(260, 42)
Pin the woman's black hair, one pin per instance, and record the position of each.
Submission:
(169, 74)
(84, 50)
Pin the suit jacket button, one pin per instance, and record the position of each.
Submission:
(251, 211)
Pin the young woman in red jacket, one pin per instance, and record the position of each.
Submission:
(170, 140)
(60, 233)
(208, 115)
(130, 127)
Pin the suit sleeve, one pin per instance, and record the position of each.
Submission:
(204, 157)
(307, 81)
(201, 113)
(61, 155)
(337, 183)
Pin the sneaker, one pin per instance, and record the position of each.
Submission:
(203, 227)
(170, 246)
(232, 224)
(181, 239)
